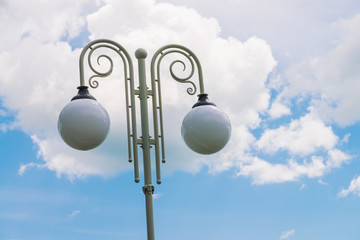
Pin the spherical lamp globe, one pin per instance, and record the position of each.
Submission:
(206, 129)
(83, 124)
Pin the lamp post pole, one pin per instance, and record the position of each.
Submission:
(84, 123)
(148, 188)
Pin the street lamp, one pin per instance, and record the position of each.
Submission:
(84, 123)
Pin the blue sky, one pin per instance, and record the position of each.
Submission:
(285, 72)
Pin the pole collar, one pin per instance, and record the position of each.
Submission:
(148, 189)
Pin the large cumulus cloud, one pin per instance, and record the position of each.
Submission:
(39, 73)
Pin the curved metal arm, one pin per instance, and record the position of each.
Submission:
(129, 92)
(187, 53)
(155, 85)
(103, 43)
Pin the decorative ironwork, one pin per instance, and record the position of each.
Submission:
(145, 141)
(156, 89)
(130, 90)
(189, 55)
(129, 87)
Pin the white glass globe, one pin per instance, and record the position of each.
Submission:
(83, 124)
(206, 129)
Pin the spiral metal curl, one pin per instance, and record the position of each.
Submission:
(190, 90)
(92, 82)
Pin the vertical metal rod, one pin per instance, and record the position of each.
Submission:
(156, 110)
(148, 188)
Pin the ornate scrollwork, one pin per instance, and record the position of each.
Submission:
(98, 74)
(90, 50)
(190, 64)
(191, 59)
(190, 90)
(94, 83)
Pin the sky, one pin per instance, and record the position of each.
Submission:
(285, 72)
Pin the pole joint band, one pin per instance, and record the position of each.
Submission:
(148, 189)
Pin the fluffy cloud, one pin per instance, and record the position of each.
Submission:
(44, 21)
(278, 110)
(310, 144)
(302, 136)
(330, 81)
(49, 65)
(354, 188)
(328, 86)
(264, 172)
(236, 69)
(39, 74)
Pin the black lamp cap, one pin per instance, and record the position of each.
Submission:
(203, 100)
(83, 94)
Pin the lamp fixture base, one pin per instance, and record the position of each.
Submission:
(83, 94)
(203, 100)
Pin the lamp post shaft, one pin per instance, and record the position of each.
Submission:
(148, 188)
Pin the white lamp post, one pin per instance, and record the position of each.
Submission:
(84, 123)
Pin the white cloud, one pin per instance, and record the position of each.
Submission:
(284, 24)
(322, 182)
(157, 195)
(264, 172)
(4, 127)
(236, 78)
(25, 167)
(353, 188)
(302, 187)
(331, 81)
(337, 158)
(49, 67)
(77, 164)
(278, 110)
(44, 21)
(345, 138)
(302, 136)
(74, 213)
(329, 84)
(3, 113)
(287, 234)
